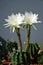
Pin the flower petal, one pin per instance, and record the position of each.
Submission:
(34, 27)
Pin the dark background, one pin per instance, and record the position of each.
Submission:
(15, 6)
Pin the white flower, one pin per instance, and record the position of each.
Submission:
(31, 19)
(14, 21)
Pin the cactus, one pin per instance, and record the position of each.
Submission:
(33, 49)
(20, 58)
(10, 45)
(40, 58)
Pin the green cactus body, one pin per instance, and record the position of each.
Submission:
(40, 58)
(13, 57)
(26, 57)
(19, 58)
(33, 49)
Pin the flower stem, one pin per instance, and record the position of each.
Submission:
(28, 37)
(19, 37)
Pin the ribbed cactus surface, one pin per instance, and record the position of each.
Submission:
(33, 49)
(20, 58)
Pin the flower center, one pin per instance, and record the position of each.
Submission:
(14, 22)
(28, 20)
